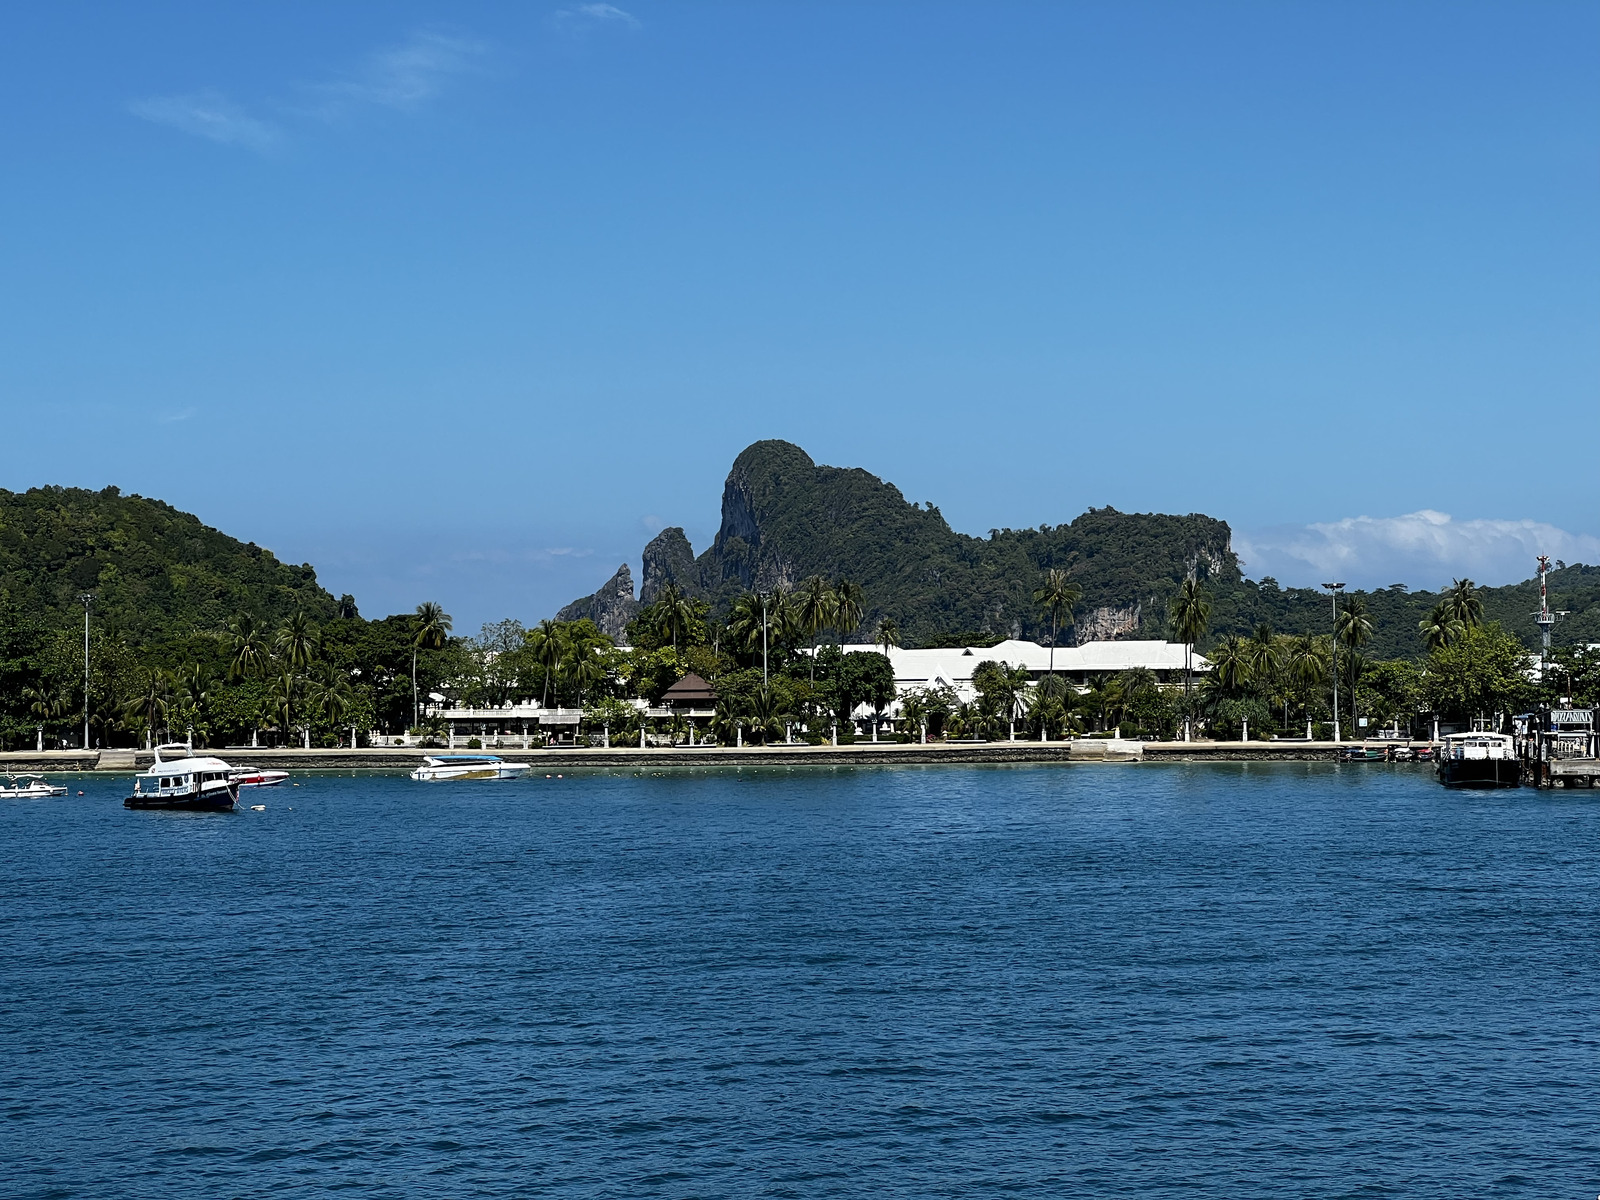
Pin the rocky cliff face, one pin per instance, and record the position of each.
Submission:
(669, 558)
(610, 608)
(785, 518)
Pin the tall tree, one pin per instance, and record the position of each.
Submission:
(848, 608)
(1354, 630)
(815, 611)
(432, 630)
(296, 642)
(1440, 627)
(548, 646)
(886, 635)
(1055, 596)
(1464, 604)
(1191, 615)
(247, 648)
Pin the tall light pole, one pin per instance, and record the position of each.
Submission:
(1333, 591)
(764, 596)
(88, 599)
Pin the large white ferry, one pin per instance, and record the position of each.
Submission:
(437, 767)
(198, 783)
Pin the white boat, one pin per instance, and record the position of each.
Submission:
(248, 777)
(198, 783)
(467, 766)
(29, 787)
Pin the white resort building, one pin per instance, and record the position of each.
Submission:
(953, 667)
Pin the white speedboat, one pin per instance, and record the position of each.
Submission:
(29, 787)
(197, 783)
(467, 766)
(248, 777)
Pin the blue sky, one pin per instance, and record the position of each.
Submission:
(463, 302)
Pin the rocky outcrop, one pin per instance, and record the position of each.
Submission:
(669, 558)
(1108, 622)
(610, 608)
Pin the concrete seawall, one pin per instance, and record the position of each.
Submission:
(882, 754)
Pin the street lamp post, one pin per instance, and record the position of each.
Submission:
(88, 599)
(764, 639)
(1333, 591)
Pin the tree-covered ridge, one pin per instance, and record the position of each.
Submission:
(156, 572)
(786, 518)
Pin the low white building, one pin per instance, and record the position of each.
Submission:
(952, 667)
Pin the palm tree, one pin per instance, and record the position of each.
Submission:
(847, 608)
(193, 697)
(674, 613)
(1191, 614)
(1463, 603)
(816, 613)
(150, 705)
(1056, 595)
(433, 628)
(47, 704)
(1231, 664)
(248, 647)
(1354, 629)
(887, 635)
(548, 646)
(586, 668)
(1307, 661)
(296, 642)
(1439, 628)
(329, 694)
(283, 695)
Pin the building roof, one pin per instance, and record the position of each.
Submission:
(689, 689)
(953, 667)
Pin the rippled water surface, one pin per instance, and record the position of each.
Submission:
(1208, 980)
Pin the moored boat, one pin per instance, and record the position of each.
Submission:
(1479, 760)
(29, 787)
(441, 767)
(247, 777)
(195, 783)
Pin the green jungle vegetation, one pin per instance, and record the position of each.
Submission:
(785, 519)
(197, 635)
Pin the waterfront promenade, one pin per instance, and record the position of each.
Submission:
(861, 753)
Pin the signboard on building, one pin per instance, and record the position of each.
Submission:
(1572, 716)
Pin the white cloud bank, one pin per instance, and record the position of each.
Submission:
(1423, 549)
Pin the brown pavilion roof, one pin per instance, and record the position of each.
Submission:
(691, 689)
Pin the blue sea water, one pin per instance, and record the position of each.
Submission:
(1197, 980)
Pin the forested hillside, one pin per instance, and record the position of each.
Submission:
(155, 572)
(785, 518)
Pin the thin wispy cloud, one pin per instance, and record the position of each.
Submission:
(401, 77)
(1421, 549)
(581, 17)
(209, 115)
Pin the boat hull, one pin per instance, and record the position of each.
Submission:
(1480, 773)
(451, 774)
(221, 799)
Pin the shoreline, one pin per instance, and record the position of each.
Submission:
(883, 754)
